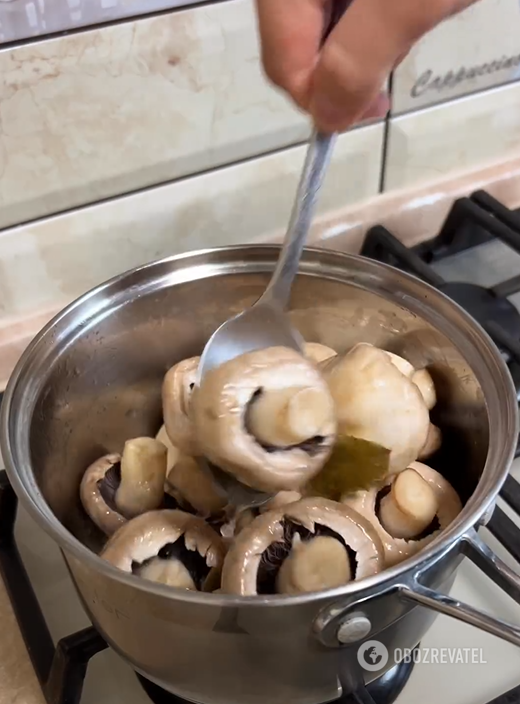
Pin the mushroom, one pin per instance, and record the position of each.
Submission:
(432, 444)
(421, 378)
(408, 510)
(247, 515)
(173, 452)
(191, 484)
(168, 546)
(97, 493)
(267, 418)
(378, 403)
(317, 353)
(143, 473)
(117, 487)
(309, 545)
(177, 388)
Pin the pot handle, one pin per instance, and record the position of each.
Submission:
(473, 547)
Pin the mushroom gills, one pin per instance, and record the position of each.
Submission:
(407, 508)
(270, 574)
(288, 418)
(176, 566)
(109, 485)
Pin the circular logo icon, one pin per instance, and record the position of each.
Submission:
(372, 655)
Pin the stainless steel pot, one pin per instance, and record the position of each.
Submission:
(92, 378)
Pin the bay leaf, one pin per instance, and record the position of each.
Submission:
(354, 464)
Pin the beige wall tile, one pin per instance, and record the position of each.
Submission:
(456, 136)
(52, 261)
(104, 112)
(476, 49)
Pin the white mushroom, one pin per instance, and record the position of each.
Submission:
(316, 352)
(143, 473)
(314, 565)
(118, 487)
(168, 546)
(419, 498)
(260, 548)
(421, 378)
(267, 418)
(173, 452)
(191, 484)
(177, 388)
(410, 507)
(376, 402)
(247, 515)
(432, 444)
(97, 493)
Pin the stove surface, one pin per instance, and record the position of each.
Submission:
(110, 681)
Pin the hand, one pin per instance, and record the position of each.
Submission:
(341, 83)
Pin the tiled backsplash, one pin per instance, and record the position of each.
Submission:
(124, 142)
(474, 50)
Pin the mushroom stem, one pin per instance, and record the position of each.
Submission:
(313, 565)
(285, 417)
(171, 572)
(410, 507)
(195, 486)
(143, 473)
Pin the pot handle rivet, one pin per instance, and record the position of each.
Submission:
(353, 629)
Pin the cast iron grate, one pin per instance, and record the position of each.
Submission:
(61, 669)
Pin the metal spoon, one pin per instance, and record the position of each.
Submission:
(266, 323)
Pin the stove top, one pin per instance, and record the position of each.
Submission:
(475, 259)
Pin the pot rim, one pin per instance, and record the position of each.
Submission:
(501, 450)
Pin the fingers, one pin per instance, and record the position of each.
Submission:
(362, 51)
(290, 32)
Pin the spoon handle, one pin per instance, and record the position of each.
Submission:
(318, 155)
(316, 162)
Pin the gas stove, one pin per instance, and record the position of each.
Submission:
(475, 260)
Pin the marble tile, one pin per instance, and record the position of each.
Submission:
(54, 260)
(413, 214)
(106, 111)
(474, 50)
(452, 137)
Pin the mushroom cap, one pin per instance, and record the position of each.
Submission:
(398, 549)
(376, 402)
(317, 353)
(423, 380)
(404, 366)
(242, 562)
(106, 518)
(176, 399)
(143, 537)
(432, 444)
(220, 407)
